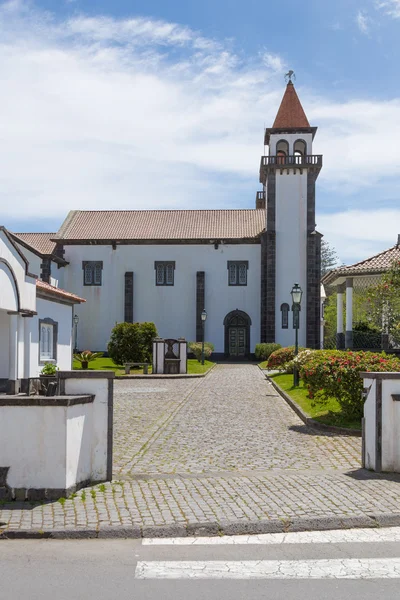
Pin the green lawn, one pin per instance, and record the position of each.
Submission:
(106, 364)
(330, 413)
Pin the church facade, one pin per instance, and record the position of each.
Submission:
(239, 265)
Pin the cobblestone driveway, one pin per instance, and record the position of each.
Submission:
(219, 453)
(232, 420)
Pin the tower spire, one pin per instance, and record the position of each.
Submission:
(291, 114)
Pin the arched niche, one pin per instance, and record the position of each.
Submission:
(9, 292)
(282, 151)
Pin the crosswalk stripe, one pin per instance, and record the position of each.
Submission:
(352, 568)
(300, 537)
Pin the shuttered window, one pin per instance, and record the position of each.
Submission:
(92, 272)
(164, 272)
(237, 272)
(47, 340)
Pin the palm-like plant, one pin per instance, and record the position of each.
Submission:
(86, 357)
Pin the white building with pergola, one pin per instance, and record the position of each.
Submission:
(347, 281)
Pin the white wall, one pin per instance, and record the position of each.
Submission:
(291, 249)
(62, 314)
(390, 423)
(98, 443)
(172, 308)
(34, 260)
(46, 446)
(4, 344)
(26, 285)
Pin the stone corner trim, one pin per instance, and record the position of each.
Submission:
(83, 374)
(55, 401)
(380, 375)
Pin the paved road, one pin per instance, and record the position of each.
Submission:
(224, 451)
(356, 565)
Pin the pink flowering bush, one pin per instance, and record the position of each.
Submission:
(336, 374)
(279, 358)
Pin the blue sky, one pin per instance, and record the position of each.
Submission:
(134, 104)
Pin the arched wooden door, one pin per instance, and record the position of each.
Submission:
(237, 334)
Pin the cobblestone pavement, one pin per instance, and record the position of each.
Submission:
(231, 420)
(222, 450)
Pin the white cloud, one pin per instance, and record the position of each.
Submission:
(137, 113)
(359, 234)
(274, 62)
(390, 7)
(362, 22)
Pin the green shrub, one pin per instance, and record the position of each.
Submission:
(148, 332)
(49, 369)
(131, 342)
(279, 358)
(336, 374)
(263, 351)
(195, 348)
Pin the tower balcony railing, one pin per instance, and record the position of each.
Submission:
(311, 162)
(297, 160)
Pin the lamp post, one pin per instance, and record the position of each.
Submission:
(76, 321)
(296, 294)
(203, 322)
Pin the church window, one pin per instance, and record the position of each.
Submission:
(164, 272)
(92, 272)
(282, 152)
(47, 340)
(300, 150)
(237, 272)
(285, 315)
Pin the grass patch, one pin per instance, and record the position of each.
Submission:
(194, 367)
(263, 365)
(329, 414)
(106, 364)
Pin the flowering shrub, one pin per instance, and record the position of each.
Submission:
(299, 360)
(279, 358)
(336, 374)
(195, 347)
(264, 351)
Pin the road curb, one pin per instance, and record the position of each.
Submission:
(212, 529)
(308, 420)
(162, 376)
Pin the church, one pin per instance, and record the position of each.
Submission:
(167, 266)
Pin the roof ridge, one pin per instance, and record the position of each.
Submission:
(362, 262)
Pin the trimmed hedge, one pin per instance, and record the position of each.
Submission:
(132, 342)
(336, 374)
(195, 347)
(264, 351)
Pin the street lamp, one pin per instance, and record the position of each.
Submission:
(203, 321)
(76, 321)
(296, 294)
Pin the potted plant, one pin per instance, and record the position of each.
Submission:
(86, 357)
(47, 374)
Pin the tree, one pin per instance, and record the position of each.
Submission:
(329, 257)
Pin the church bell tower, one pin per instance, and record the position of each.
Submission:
(290, 245)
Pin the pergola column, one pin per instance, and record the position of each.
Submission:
(339, 317)
(349, 313)
(13, 355)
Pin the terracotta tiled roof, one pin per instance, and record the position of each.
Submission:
(162, 225)
(290, 114)
(380, 263)
(41, 242)
(58, 292)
